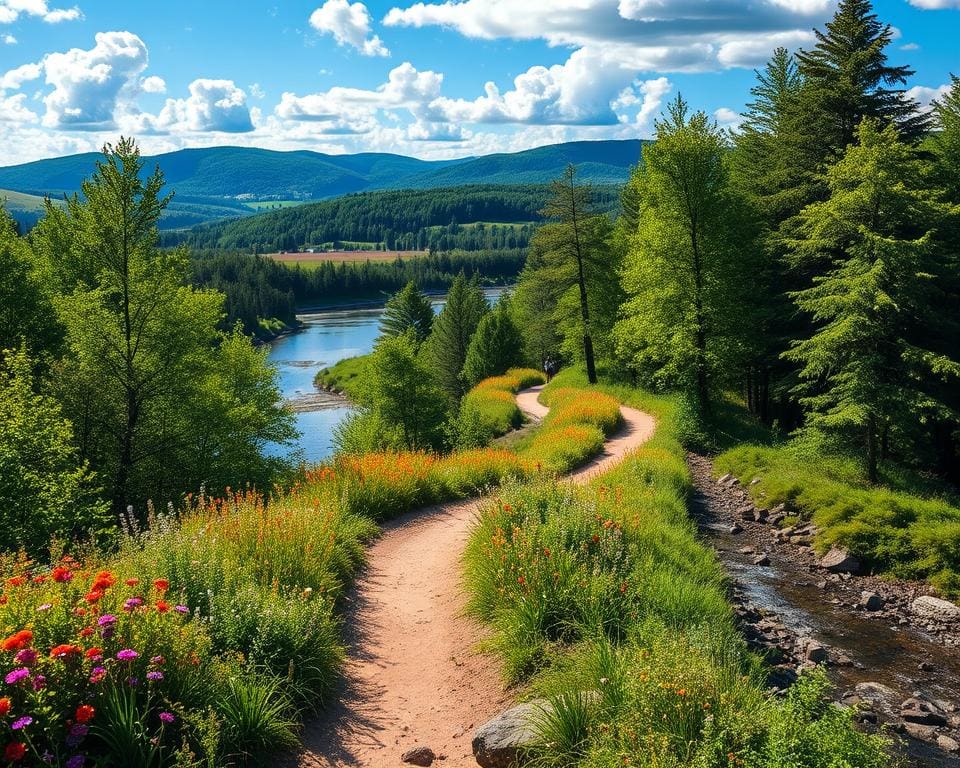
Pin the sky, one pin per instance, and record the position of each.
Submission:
(427, 79)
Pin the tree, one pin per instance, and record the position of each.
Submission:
(401, 394)
(868, 363)
(847, 78)
(45, 489)
(495, 347)
(568, 240)
(687, 276)
(407, 310)
(446, 347)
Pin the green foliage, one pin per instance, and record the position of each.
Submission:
(408, 310)
(345, 376)
(446, 348)
(257, 719)
(495, 346)
(490, 408)
(46, 491)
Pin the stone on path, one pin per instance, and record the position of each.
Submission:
(419, 756)
(871, 601)
(838, 560)
(929, 607)
(501, 742)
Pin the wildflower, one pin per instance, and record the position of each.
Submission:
(157, 660)
(181, 609)
(26, 657)
(84, 713)
(132, 602)
(4, 706)
(681, 692)
(97, 674)
(103, 581)
(64, 650)
(162, 606)
(86, 632)
(39, 579)
(39, 682)
(61, 575)
(21, 723)
(44, 607)
(94, 653)
(81, 611)
(155, 676)
(17, 581)
(133, 682)
(14, 751)
(17, 675)
(76, 761)
(507, 508)
(167, 717)
(93, 596)
(132, 582)
(127, 654)
(18, 640)
(106, 620)
(162, 585)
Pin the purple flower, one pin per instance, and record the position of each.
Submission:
(79, 729)
(107, 620)
(127, 654)
(132, 602)
(133, 682)
(181, 609)
(154, 676)
(39, 682)
(156, 659)
(167, 717)
(17, 675)
(21, 722)
(26, 657)
(97, 674)
(44, 607)
(76, 761)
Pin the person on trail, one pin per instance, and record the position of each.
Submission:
(549, 368)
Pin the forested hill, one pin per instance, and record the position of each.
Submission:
(221, 182)
(472, 217)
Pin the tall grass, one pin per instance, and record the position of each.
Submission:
(490, 408)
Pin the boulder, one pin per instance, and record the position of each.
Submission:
(915, 710)
(838, 560)
(880, 697)
(501, 742)
(761, 559)
(723, 480)
(935, 609)
(948, 743)
(871, 601)
(419, 756)
(815, 652)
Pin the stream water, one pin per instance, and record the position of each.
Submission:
(326, 338)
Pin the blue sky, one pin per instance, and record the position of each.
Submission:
(431, 79)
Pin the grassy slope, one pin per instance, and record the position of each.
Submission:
(345, 376)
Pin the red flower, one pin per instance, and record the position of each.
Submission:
(162, 606)
(39, 579)
(18, 640)
(162, 585)
(17, 581)
(4, 706)
(103, 581)
(93, 596)
(91, 652)
(86, 632)
(84, 713)
(61, 574)
(132, 582)
(64, 650)
(15, 751)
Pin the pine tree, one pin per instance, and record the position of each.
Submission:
(868, 364)
(446, 347)
(847, 78)
(407, 310)
(495, 347)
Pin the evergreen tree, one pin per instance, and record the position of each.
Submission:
(446, 348)
(868, 365)
(687, 317)
(847, 78)
(495, 347)
(407, 310)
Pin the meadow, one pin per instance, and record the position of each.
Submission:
(359, 255)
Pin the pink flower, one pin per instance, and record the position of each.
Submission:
(166, 717)
(17, 675)
(26, 657)
(127, 654)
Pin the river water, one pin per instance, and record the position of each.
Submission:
(326, 338)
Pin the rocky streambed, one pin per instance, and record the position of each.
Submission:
(892, 648)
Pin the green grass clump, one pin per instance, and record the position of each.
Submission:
(908, 535)
(347, 376)
(490, 409)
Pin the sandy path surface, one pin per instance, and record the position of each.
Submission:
(413, 676)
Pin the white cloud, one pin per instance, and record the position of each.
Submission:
(88, 86)
(153, 84)
(910, 47)
(935, 5)
(728, 118)
(349, 24)
(13, 79)
(11, 10)
(13, 109)
(256, 91)
(9, 40)
(925, 96)
(213, 105)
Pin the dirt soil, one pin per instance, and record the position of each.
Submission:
(414, 676)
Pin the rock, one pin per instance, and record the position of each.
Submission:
(815, 652)
(936, 609)
(723, 480)
(821, 585)
(501, 742)
(746, 550)
(755, 481)
(761, 559)
(871, 601)
(838, 560)
(948, 743)
(419, 756)
(760, 515)
(745, 512)
(735, 529)
(879, 696)
(915, 710)
(922, 732)
(925, 666)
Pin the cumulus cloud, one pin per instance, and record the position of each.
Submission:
(935, 5)
(727, 118)
(14, 78)
(11, 10)
(153, 84)
(13, 109)
(89, 84)
(925, 96)
(213, 105)
(350, 25)
(9, 40)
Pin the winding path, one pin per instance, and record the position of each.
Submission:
(413, 676)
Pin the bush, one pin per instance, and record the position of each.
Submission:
(490, 408)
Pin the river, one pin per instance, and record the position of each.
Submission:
(326, 338)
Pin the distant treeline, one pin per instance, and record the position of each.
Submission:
(470, 218)
(258, 287)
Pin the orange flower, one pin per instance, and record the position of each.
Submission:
(681, 692)
(4, 706)
(64, 650)
(162, 606)
(103, 581)
(18, 640)
(93, 596)
(86, 632)
(17, 581)
(14, 751)
(91, 652)
(84, 713)
(132, 582)
(61, 574)
(162, 585)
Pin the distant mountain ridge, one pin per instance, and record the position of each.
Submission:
(218, 182)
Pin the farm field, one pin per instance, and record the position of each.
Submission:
(308, 259)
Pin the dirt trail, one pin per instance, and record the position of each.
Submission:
(413, 676)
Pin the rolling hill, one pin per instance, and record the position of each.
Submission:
(221, 182)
